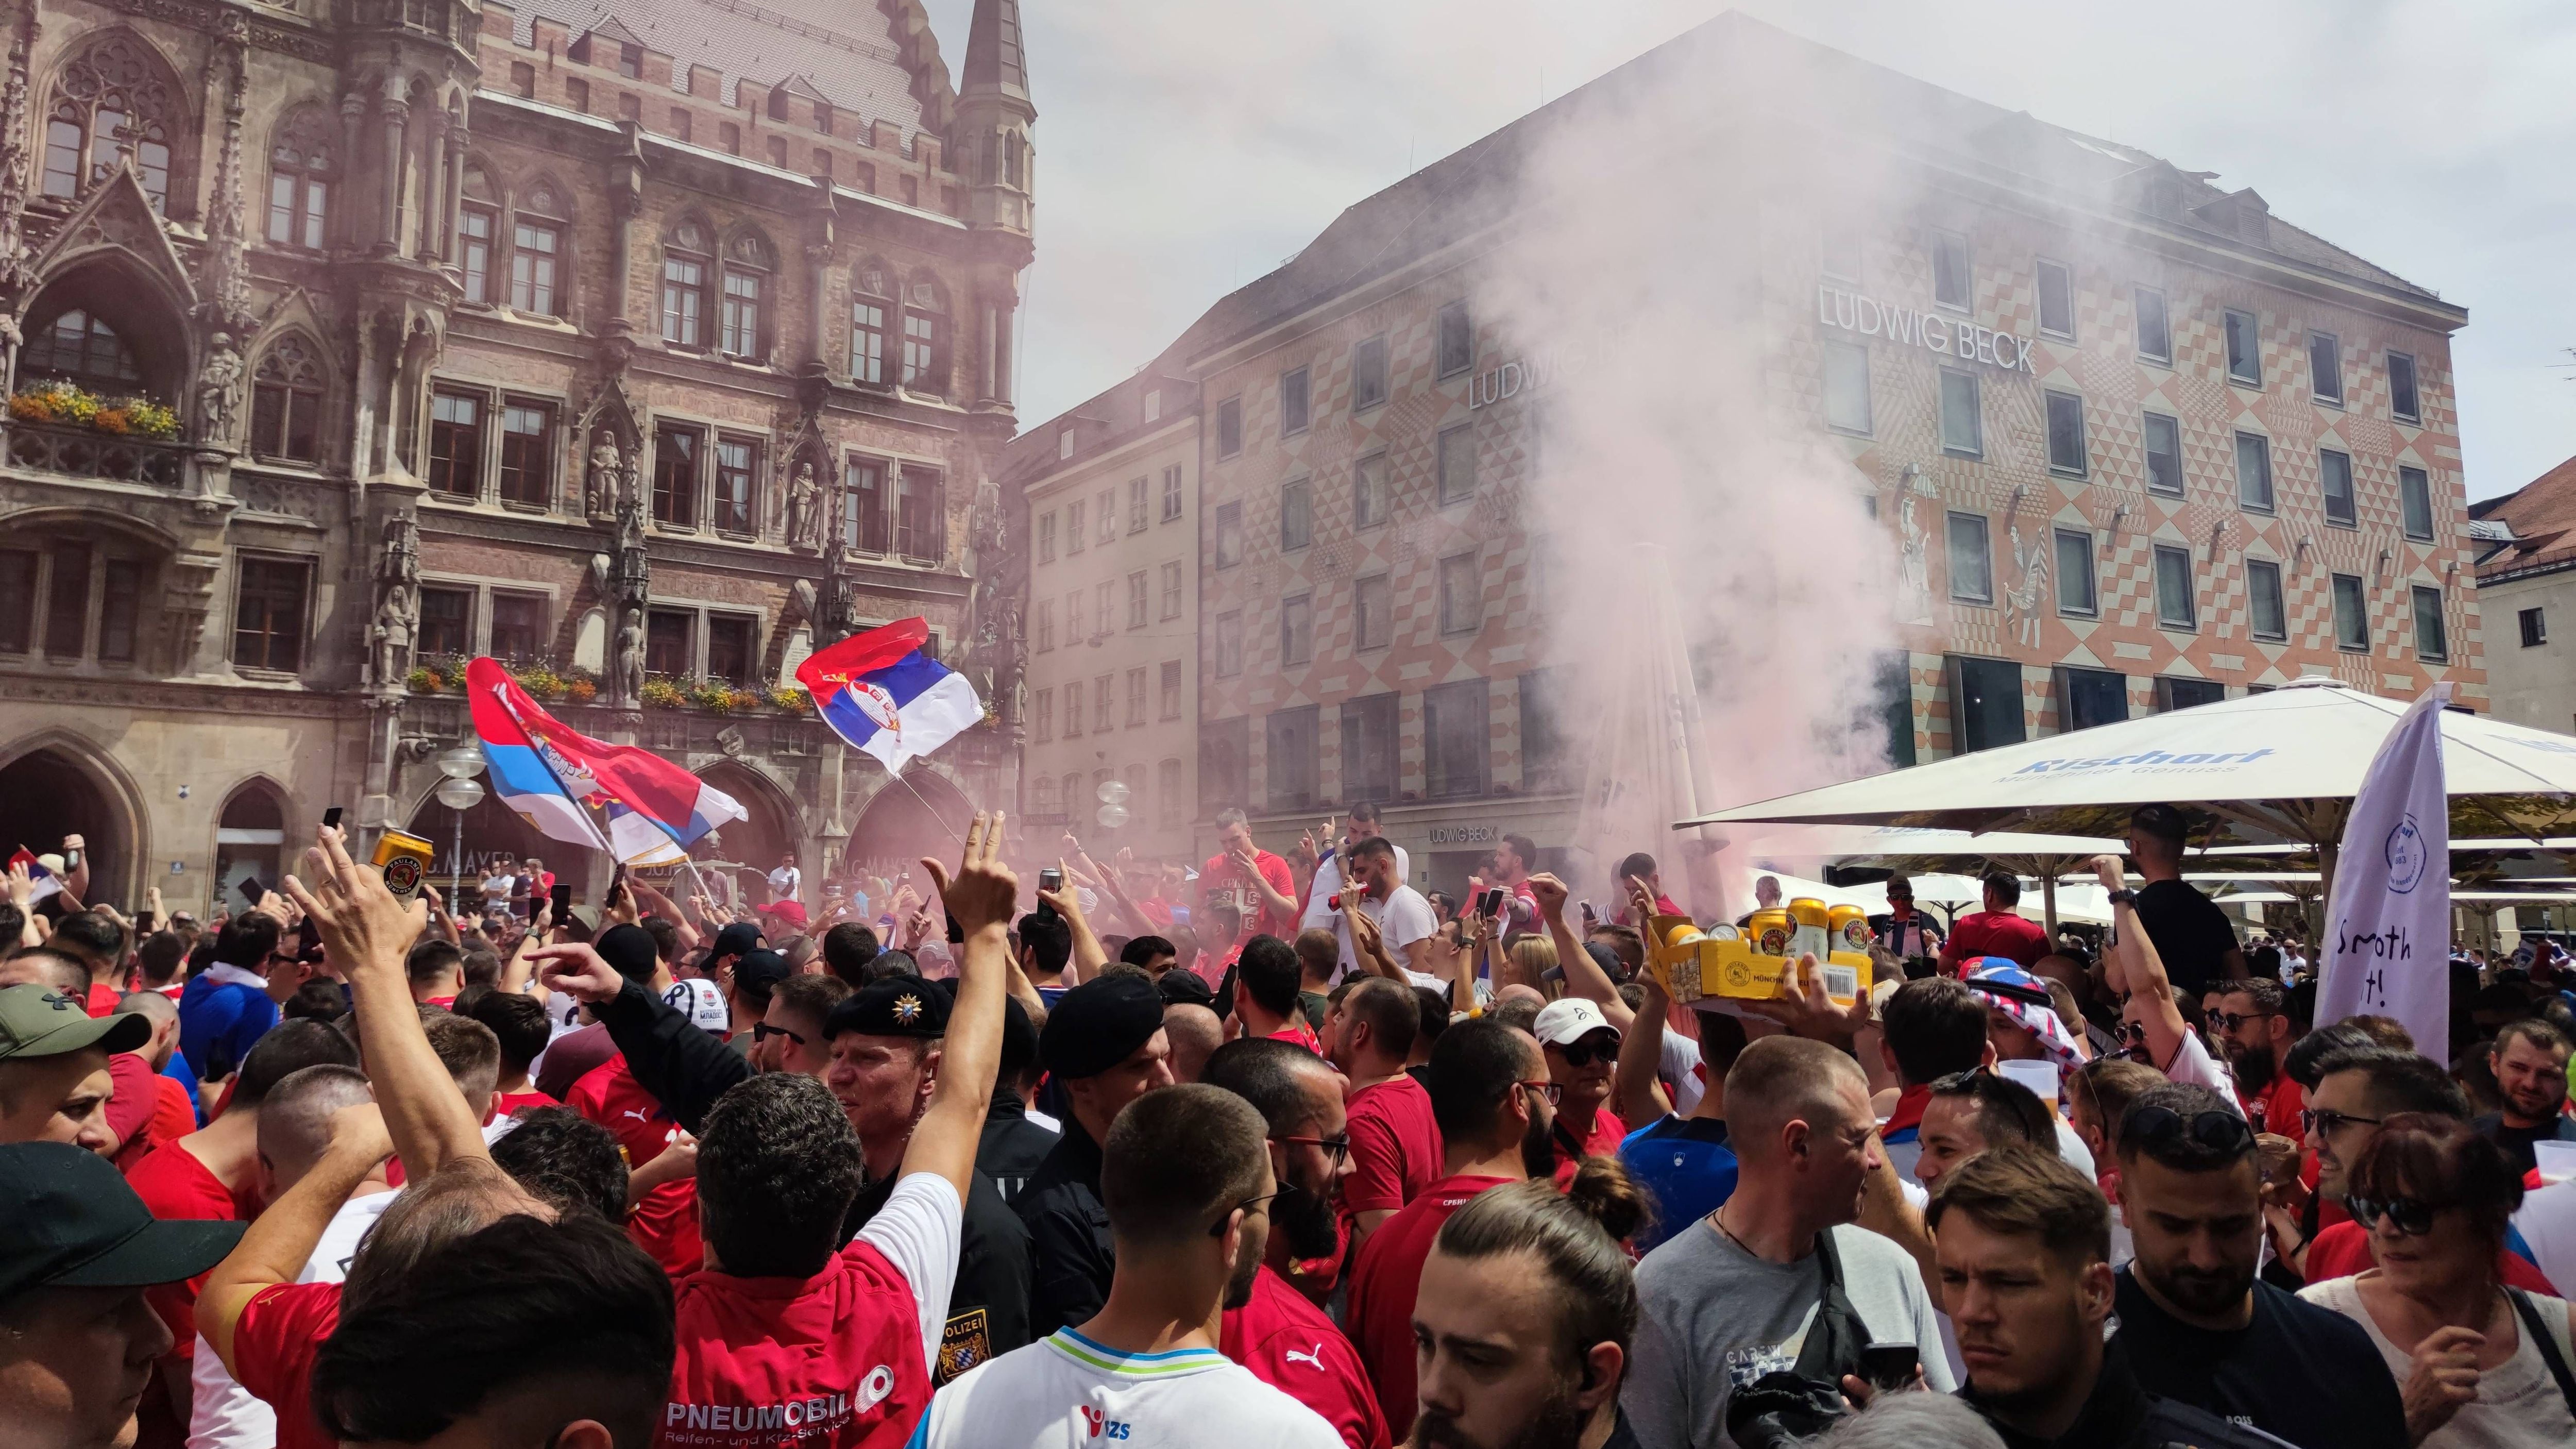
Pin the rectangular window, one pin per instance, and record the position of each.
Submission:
(446, 622)
(1462, 595)
(527, 454)
(1229, 535)
(1171, 492)
(2164, 454)
(1046, 537)
(577, 94)
(1457, 340)
(1136, 600)
(2075, 590)
(1296, 514)
(729, 138)
(268, 614)
(2401, 388)
(1368, 374)
(1108, 516)
(2432, 638)
(1073, 617)
(67, 602)
(2244, 348)
(1368, 748)
(1135, 505)
(1892, 693)
(2325, 366)
(1293, 758)
(670, 643)
(1986, 710)
(1372, 612)
(1135, 697)
(2174, 692)
(2254, 472)
(1225, 763)
(1548, 760)
(737, 460)
(2334, 477)
(1368, 491)
(1296, 401)
(1042, 716)
(740, 336)
(1045, 626)
(1963, 427)
(920, 514)
(518, 627)
(1953, 284)
(2415, 498)
(2089, 697)
(1171, 689)
(1972, 565)
(684, 295)
(1457, 459)
(1072, 715)
(863, 507)
(1229, 644)
(1077, 537)
(1103, 706)
(2271, 614)
(1104, 607)
(1297, 630)
(2056, 300)
(1457, 739)
(1171, 591)
(925, 352)
(867, 340)
(17, 600)
(1167, 792)
(680, 126)
(1153, 404)
(1847, 388)
(533, 248)
(2535, 627)
(474, 230)
(2155, 333)
(456, 445)
(2351, 614)
(675, 477)
(2176, 606)
(2066, 434)
(1229, 427)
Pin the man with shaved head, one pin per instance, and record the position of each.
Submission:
(1395, 1150)
(1736, 1294)
(1195, 1034)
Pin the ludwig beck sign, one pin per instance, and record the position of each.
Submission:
(1949, 336)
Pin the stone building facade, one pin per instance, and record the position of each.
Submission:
(468, 329)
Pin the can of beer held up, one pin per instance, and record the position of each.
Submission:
(404, 859)
(1769, 932)
(1810, 920)
(1850, 927)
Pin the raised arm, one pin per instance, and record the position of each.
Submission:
(368, 931)
(1583, 975)
(1088, 957)
(979, 897)
(522, 965)
(1636, 1093)
(283, 1238)
(2133, 967)
(684, 1067)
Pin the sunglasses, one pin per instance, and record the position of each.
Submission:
(2219, 1131)
(1333, 1148)
(2231, 1020)
(1549, 1090)
(1582, 1054)
(2407, 1215)
(763, 1031)
(2322, 1120)
(1248, 1206)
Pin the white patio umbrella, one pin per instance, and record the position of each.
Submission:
(2283, 764)
(1927, 853)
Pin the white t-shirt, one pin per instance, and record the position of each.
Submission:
(1067, 1389)
(783, 883)
(1680, 1065)
(1328, 880)
(2194, 1064)
(1403, 918)
(225, 1415)
(920, 1230)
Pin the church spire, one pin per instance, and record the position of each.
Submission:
(996, 68)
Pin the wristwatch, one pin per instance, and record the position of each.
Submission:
(2123, 897)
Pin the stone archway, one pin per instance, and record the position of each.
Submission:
(922, 814)
(56, 783)
(752, 847)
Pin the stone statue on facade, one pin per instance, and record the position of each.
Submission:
(2021, 602)
(1914, 606)
(389, 638)
(607, 483)
(218, 390)
(805, 510)
(630, 663)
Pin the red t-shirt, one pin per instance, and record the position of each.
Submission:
(1395, 1146)
(1384, 1283)
(2275, 1109)
(176, 1187)
(1602, 1141)
(665, 1222)
(1290, 1345)
(1221, 879)
(280, 1335)
(102, 999)
(2016, 938)
(133, 1102)
(1300, 1035)
(507, 1104)
(828, 1362)
(2344, 1250)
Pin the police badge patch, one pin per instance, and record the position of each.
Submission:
(964, 1343)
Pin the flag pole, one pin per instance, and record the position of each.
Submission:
(927, 806)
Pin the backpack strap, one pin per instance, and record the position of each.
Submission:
(2547, 1342)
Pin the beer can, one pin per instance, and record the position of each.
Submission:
(1769, 932)
(1850, 927)
(1810, 921)
(404, 858)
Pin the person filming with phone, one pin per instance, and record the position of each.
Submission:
(1405, 923)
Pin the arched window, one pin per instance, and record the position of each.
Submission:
(925, 336)
(686, 259)
(299, 180)
(871, 305)
(80, 347)
(749, 261)
(250, 840)
(114, 101)
(286, 402)
(536, 252)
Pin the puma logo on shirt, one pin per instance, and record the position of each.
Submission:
(1315, 1359)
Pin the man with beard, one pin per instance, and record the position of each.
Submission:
(2020, 1240)
(2197, 1324)
(1526, 1312)
(1284, 1339)
(1491, 1096)
(2530, 1060)
(1188, 1186)
(2254, 1028)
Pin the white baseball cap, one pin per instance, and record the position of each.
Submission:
(1563, 1023)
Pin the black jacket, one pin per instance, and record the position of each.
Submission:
(1071, 1255)
(1013, 1146)
(2120, 1415)
(686, 1069)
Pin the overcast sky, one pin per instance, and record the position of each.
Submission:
(1187, 146)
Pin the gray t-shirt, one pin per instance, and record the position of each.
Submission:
(1713, 1316)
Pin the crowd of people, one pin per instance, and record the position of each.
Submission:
(1281, 1150)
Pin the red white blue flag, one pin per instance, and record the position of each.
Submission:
(554, 776)
(880, 692)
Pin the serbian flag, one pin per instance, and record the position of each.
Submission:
(554, 776)
(886, 697)
(45, 884)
